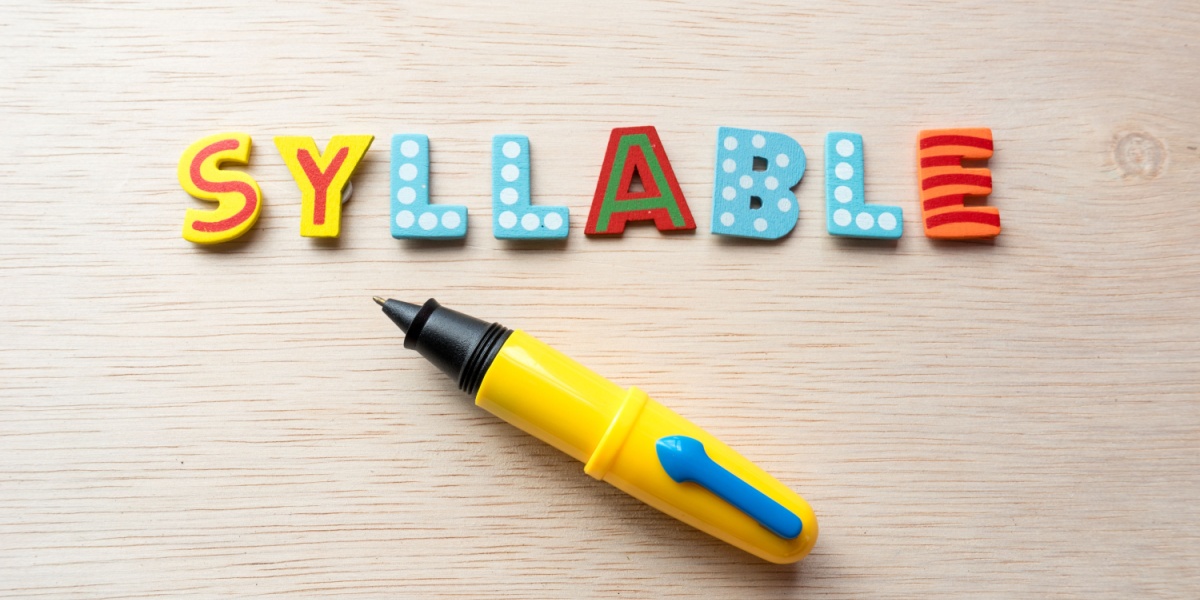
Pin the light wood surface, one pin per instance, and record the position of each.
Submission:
(1019, 419)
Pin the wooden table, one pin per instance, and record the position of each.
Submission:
(1017, 419)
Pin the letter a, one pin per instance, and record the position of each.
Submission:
(637, 151)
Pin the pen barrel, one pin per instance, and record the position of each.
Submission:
(548, 395)
(618, 434)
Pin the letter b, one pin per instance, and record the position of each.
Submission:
(752, 194)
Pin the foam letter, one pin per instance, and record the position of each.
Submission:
(750, 202)
(513, 215)
(846, 210)
(637, 151)
(412, 215)
(321, 177)
(239, 200)
(944, 184)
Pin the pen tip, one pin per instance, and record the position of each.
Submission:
(378, 300)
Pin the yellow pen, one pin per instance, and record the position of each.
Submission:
(622, 436)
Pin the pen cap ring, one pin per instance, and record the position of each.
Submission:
(481, 358)
(460, 345)
(618, 431)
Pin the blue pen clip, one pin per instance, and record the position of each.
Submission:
(685, 461)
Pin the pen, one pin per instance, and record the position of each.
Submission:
(622, 436)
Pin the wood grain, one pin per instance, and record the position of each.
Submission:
(1005, 420)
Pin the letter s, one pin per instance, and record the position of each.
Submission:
(238, 197)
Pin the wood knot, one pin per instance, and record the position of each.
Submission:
(1139, 154)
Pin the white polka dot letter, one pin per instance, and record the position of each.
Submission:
(412, 215)
(513, 215)
(847, 213)
(752, 194)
